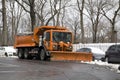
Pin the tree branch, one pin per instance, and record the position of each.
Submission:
(116, 12)
(22, 6)
(51, 17)
(104, 13)
(26, 3)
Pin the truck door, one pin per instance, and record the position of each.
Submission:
(47, 40)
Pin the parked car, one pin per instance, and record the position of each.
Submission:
(2, 51)
(7, 51)
(98, 54)
(113, 54)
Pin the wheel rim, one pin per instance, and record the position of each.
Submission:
(42, 55)
(25, 55)
(106, 59)
(19, 54)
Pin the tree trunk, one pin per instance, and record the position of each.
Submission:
(5, 28)
(82, 27)
(113, 33)
(32, 14)
(13, 23)
(81, 18)
(1, 35)
(95, 27)
(58, 15)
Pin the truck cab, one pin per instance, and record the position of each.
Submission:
(57, 40)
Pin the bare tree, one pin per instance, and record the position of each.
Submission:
(50, 11)
(94, 14)
(103, 29)
(39, 10)
(46, 11)
(5, 28)
(31, 4)
(14, 16)
(72, 22)
(53, 10)
(80, 9)
(57, 6)
(63, 16)
(112, 20)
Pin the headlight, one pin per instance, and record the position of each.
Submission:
(68, 42)
(69, 48)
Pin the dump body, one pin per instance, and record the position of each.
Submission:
(49, 42)
(24, 41)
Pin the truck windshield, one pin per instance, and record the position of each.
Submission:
(62, 36)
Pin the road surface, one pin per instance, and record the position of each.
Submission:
(15, 69)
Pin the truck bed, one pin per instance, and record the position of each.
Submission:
(24, 41)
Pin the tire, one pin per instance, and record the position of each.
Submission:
(93, 58)
(26, 55)
(42, 55)
(119, 68)
(20, 54)
(107, 59)
(38, 56)
(102, 59)
(6, 54)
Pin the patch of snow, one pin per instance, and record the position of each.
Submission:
(13, 56)
(118, 71)
(113, 67)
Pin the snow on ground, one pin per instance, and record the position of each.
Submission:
(102, 46)
(112, 67)
(9, 56)
(13, 56)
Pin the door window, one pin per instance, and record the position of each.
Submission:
(47, 36)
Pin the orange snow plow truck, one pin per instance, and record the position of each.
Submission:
(49, 43)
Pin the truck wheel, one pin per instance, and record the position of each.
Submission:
(26, 55)
(20, 54)
(42, 55)
(93, 58)
(6, 54)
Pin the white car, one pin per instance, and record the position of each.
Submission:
(98, 54)
(2, 51)
(8, 51)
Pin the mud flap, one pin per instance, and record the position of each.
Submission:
(71, 56)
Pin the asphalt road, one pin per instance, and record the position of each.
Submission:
(15, 69)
